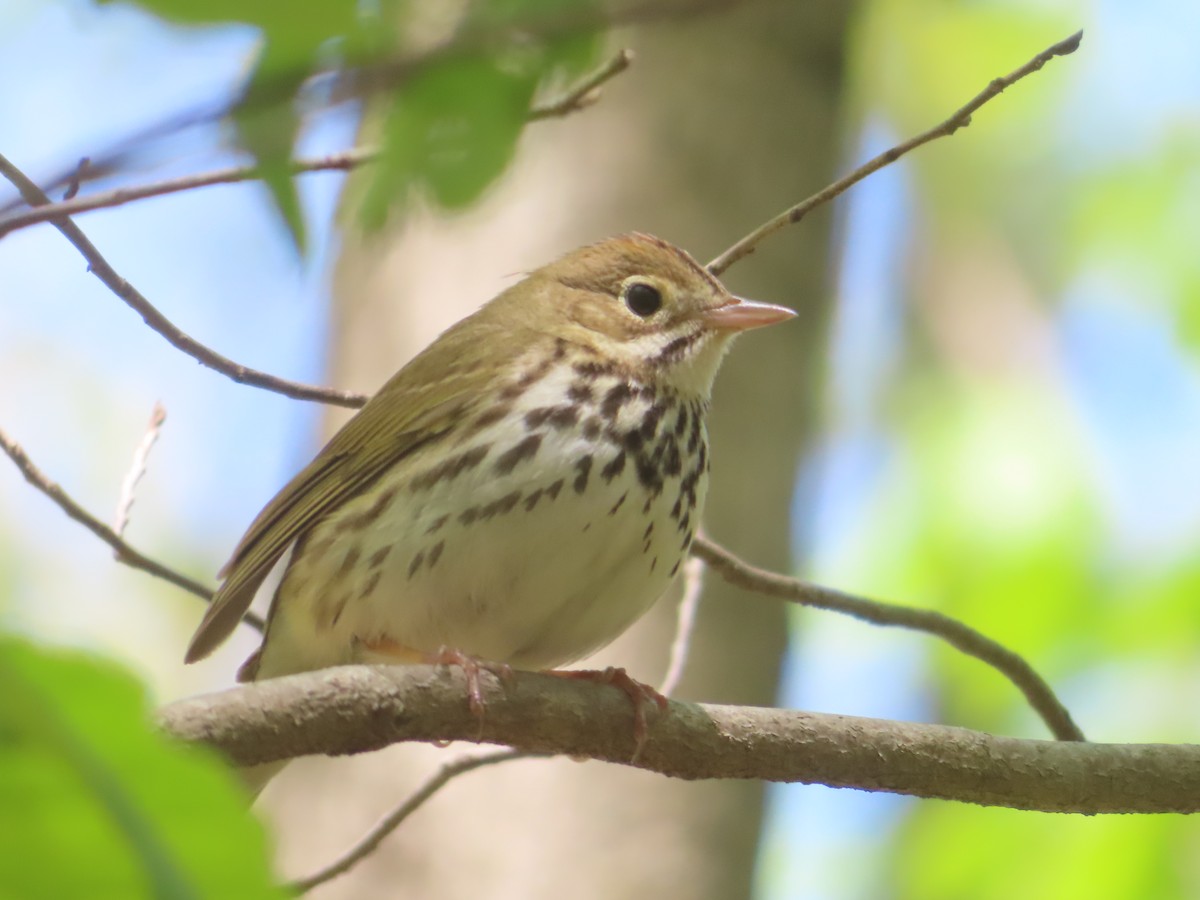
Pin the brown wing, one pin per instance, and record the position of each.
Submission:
(418, 406)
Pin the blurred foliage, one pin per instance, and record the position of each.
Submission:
(1139, 220)
(454, 104)
(94, 802)
(453, 128)
(949, 851)
(994, 503)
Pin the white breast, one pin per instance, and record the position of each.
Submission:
(534, 539)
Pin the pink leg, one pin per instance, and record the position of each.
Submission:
(446, 656)
(471, 667)
(639, 695)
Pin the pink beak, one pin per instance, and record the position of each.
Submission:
(742, 315)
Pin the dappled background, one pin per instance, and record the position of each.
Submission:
(1008, 404)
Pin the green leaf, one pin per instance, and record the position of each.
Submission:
(267, 130)
(451, 131)
(280, 22)
(265, 119)
(454, 127)
(94, 802)
(567, 52)
(572, 56)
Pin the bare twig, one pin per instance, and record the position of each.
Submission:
(685, 621)
(99, 267)
(81, 172)
(586, 92)
(390, 73)
(368, 843)
(124, 553)
(137, 469)
(334, 162)
(355, 709)
(960, 636)
(579, 97)
(960, 119)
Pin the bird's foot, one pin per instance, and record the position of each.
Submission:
(385, 649)
(639, 694)
(472, 666)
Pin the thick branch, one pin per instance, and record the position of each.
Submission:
(355, 709)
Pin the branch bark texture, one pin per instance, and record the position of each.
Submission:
(355, 709)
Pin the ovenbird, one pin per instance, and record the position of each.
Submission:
(521, 492)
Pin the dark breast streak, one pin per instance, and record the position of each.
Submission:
(660, 448)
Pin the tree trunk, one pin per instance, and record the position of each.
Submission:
(722, 122)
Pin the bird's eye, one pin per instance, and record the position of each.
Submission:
(643, 299)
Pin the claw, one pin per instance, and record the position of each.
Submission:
(639, 695)
(472, 666)
(446, 656)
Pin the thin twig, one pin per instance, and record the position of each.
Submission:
(960, 119)
(390, 73)
(586, 92)
(81, 172)
(582, 95)
(685, 622)
(99, 267)
(960, 636)
(137, 469)
(390, 822)
(334, 162)
(124, 553)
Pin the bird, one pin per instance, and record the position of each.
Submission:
(518, 494)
